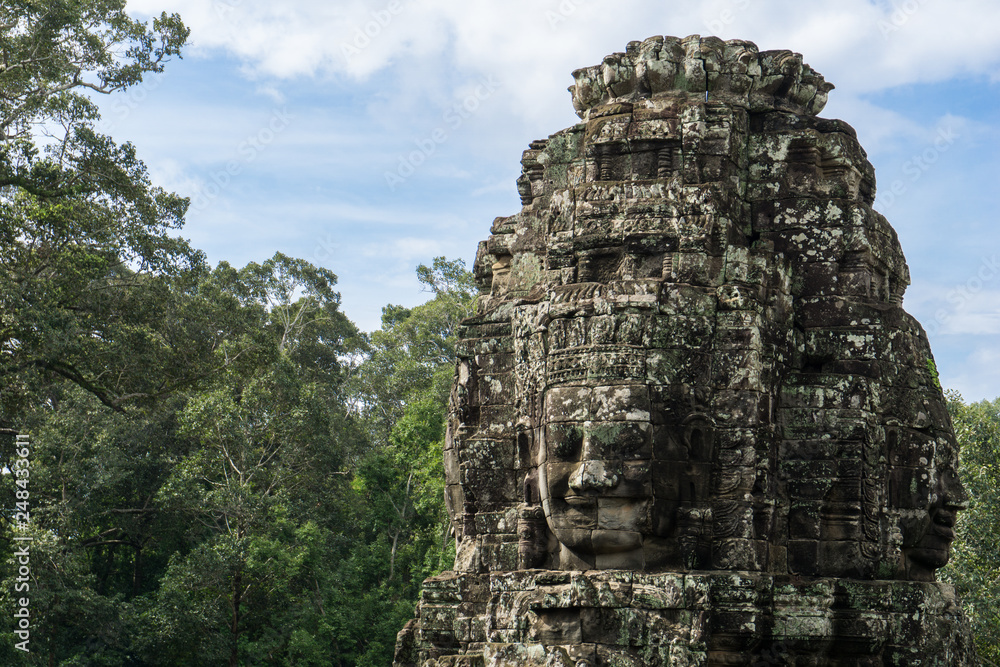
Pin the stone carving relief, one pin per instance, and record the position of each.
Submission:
(690, 409)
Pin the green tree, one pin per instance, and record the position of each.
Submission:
(199, 527)
(89, 275)
(224, 469)
(413, 354)
(86, 238)
(263, 486)
(54, 50)
(402, 389)
(974, 568)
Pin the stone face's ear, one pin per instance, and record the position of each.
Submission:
(531, 494)
(699, 438)
(532, 537)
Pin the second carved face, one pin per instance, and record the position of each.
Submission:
(618, 474)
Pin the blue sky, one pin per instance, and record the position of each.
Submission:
(369, 136)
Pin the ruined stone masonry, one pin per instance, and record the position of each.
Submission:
(691, 422)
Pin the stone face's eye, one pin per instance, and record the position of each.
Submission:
(564, 441)
(631, 442)
(612, 441)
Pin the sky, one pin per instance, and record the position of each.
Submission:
(370, 136)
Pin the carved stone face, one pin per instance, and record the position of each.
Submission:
(933, 549)
(617, 473)
(690, 344)
(691, 379)
(595, 479)
(929, 496)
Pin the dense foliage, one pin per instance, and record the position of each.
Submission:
(975, 561)
(271, 512)
(87, 248)
(223, 469)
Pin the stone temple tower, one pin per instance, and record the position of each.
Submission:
(691, 422)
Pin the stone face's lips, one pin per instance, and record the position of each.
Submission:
(581, 500)
(615, 541)
(947, 534)
(944, 525)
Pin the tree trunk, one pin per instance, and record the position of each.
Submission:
(234, 628)
(106, 555)
(399, 528)
(392, 555)
(137, 571)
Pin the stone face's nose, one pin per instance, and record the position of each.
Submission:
(954, 495)
(592, 476)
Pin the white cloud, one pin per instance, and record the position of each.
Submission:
(503, 186)
(408, 248)
(413, 64)
(856, 43)
(967, 307)
(272, 93)
(972, 312)
(171, 175)
(968, 377)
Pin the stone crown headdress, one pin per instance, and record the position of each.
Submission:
(732, 71)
